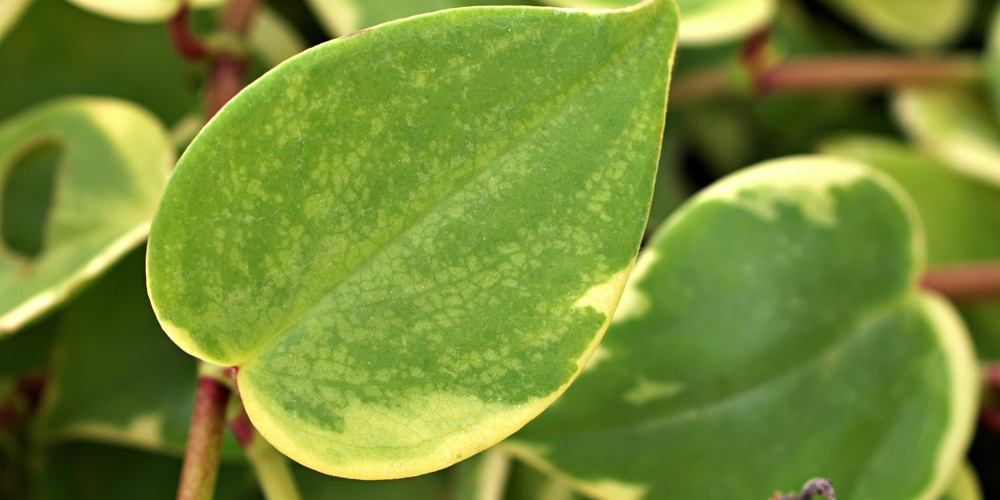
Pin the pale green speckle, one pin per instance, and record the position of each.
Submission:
(451, 241)
(646, 390)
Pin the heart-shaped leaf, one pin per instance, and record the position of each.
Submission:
(114, 162)
(772, 333)
(961, 217)
(410, 240)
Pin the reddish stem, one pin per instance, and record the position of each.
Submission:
(236, 20)
(864, 73)
(990, 419)
(204, 443)
(185, 43)
(242, 428)
(991, 378)
(23, 400)
(854, 73)
(225, 80)
(753, 52)
(965, 283)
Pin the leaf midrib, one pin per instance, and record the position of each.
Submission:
(393, 240)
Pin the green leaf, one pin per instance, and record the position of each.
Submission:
(964, 485)
(703, 22)
(10, 12)
(411, 239)
(955, 125)
(961, 216)
(484, 476)
(140, 392)
(114, 161)
(341, 17)
(272, 37)
(30, 351)
(315, 485)
(90, 471)
(771, 333)
(139, 10)
(923, 24)
(92, 56)
(527, 483)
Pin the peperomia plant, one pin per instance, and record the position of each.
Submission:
(468, 254)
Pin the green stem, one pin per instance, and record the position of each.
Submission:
(269, 465)
(965, 283)
(204, 443)
(822, 74)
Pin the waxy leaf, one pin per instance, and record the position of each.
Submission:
(702, 21)
(926, 23)
(410, 240)
(961, 217)
(955, 125)
(772, 332)
(113, 163)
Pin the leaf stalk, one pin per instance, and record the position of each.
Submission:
(965, 283)
(204, 443)
(271, 467)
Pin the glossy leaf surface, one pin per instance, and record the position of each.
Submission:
(113, 164)
(702, 21)
(772, 333)
(411, 239)
(961, 216)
